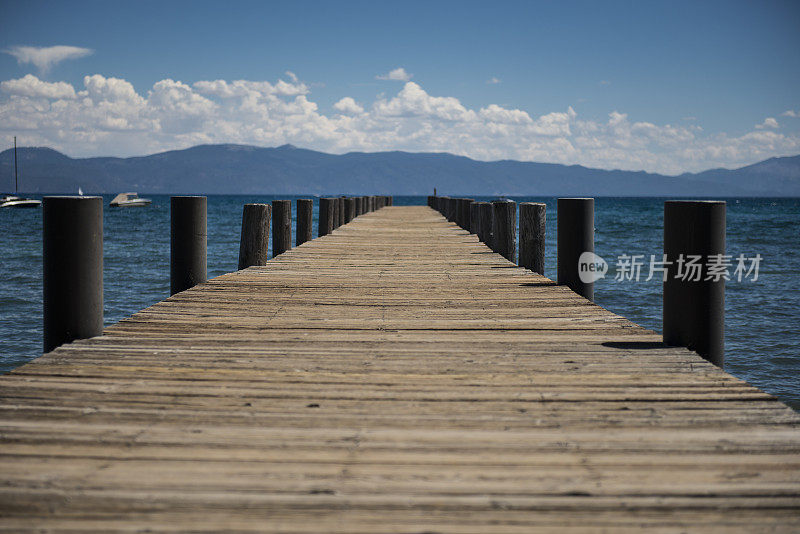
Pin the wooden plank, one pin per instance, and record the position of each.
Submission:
(392, 376)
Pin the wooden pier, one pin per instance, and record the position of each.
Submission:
(392, 376)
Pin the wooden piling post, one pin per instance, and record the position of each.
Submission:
(475, 218)
(532, 236)
(72, 261)
(281, 226)
(350, 209)
(694, 304)
(335, 213)
(305, 216)
(254, 241)
(575, 231)
(341, 209)
(449, 208)
(188, 242)
(457, 207)
(463, 212)
(486, 224)
(325, 225)
(504, 228)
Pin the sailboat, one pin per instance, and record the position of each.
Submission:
(13, 201)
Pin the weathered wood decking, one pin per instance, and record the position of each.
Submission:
(395, 376)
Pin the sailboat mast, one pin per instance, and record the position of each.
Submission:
(16, 185)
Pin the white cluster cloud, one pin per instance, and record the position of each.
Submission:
(45, 57)
(399, 74)
(493, 80)
(348, 106)
(33, 87)
(791, 113)
(769, 122)
(107, 116)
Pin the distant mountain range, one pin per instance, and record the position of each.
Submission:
(232, 169)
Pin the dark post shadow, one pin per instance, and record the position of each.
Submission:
(635, 345)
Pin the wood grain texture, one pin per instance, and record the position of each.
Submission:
(392, 376)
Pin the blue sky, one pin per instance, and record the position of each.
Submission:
(660, 86)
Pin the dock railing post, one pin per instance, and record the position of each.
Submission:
(281, 226)
(325, 224)
(188, 242)
(72, 257)
(463, 212)
(254, 242)
(341, 208)
(335, 208)
(305, 217)
(575, 231)
(504, 228)
(475, 218)
(450, 211)
(694, 299)
(532, 236)
(350, 209)
(487, 221)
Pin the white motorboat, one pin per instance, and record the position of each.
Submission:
(124, 200)
(13, 201)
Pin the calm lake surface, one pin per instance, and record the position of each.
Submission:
(762, 338)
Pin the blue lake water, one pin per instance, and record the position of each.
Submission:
(762, 339)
